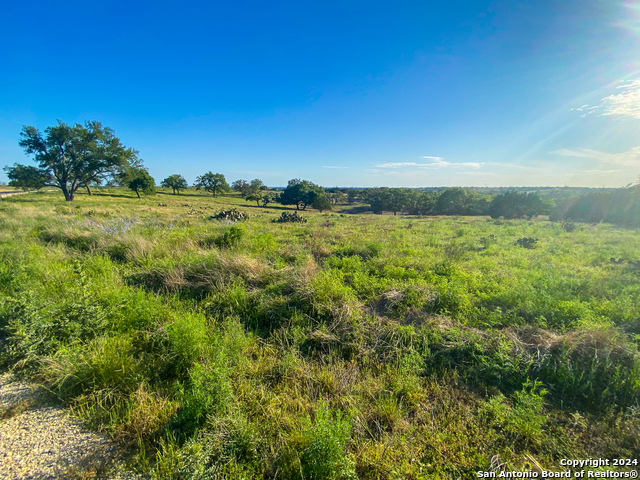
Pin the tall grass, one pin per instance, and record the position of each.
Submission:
(350, 346)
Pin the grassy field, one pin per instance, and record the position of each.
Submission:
(349, 346)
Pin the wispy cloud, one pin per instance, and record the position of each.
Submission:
(332, 166)
(585, 109)
(630, 158)
(436, 162)
(514, 165)
(604, 172)
(399, 164)
(626, 103)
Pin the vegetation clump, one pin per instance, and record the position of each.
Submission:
(527, 242)
(290, 217)
(231, 215)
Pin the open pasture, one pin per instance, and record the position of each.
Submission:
(350, 346)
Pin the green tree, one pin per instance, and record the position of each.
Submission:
(257, 184)
(256, 196)
(74, 156)
(399, 199)
(255, 191)
(26, 177)
(513, 204)
(421, 203)
(319, 200)
(301, 193)
(379, 199)
(212, 182)
(141, 181)
(269, 197)
(175, 182)
(240, 186)
(336, 197)
(461, 201)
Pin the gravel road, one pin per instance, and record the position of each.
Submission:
(39, 440)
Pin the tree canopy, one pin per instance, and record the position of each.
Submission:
(71, 156)
(26, 177)
(141, 181)
(212, 182)
(175, 182)
(513, 204)
(302, 193)
(240, 186)
(620, 207)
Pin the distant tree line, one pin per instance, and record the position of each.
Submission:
(70, 157)
(452, 201)
(620, 207)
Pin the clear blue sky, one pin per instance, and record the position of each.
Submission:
(500, 93)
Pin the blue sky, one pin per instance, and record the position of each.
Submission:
(484, 93)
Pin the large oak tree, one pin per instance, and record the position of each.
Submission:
(175, 182)
(74, 156)
(212, 182)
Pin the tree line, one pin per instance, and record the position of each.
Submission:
(619, 207)
(71, 157)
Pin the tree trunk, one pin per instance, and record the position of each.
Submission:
(137, 192)
(68, 193)
(258, 202)
(88, 189)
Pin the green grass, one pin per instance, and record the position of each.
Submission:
(349, 346)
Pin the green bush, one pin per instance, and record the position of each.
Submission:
(208, 392)
(523, 421)
(319, 452)
(231, 215)
(288, 217)
(231, 237)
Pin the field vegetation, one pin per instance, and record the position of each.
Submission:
(218, 338)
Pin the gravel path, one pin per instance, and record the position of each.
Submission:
(41, 441)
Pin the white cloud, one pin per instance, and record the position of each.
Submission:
(436, 162)
(630, 158)
(626, 104)
(331, 166)
(472, 164)
(514, 165)
(399, 164)
(585, 110)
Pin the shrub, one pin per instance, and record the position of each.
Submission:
(522, 421)
(527, 242)
(208, 393)
(325, 456)
(318, 452)
(232, 215)
(288, 217)
(231, 237)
